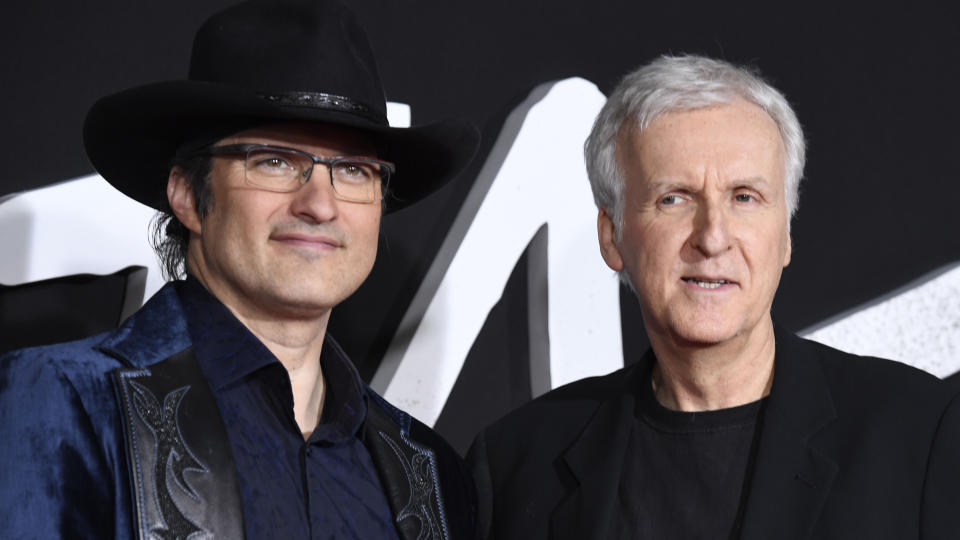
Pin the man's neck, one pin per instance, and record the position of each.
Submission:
(297, 345)
(296, 342)
(693, 377)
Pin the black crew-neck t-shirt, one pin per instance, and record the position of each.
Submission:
(684, 472)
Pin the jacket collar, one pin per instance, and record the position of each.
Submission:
(791, 477)
(154, 333)
(183, 314)
(595, 460)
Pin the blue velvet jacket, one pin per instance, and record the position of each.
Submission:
(65, 470)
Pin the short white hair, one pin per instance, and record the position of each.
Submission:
(679, 83)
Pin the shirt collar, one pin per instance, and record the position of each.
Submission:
(225, 349)
(345, 402)
(227, 352)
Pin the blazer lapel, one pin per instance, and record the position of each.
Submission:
(791, 478)
(595, 461)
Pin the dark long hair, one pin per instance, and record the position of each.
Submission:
(168, 236)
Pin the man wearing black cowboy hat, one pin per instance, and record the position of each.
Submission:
(222, 409)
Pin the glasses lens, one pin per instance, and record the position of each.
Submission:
(277, 170)
(357, 180)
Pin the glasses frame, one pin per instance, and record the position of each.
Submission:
(386, 168)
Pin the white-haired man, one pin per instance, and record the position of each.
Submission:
(729, 427)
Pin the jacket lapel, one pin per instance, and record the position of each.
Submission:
(791, 477)
(182, 474)
(595, 461)
(409, 473)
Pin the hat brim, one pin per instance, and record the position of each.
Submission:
(131, 137)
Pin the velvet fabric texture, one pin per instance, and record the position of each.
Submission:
(849, 447)
(326, 486)
(64, 472)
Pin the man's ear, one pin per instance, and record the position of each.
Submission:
(606, 233)
(181, 200)
(789, 253)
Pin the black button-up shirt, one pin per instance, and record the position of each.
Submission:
(324, 487)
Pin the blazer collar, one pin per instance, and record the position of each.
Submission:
(595, 460)
(791, 476)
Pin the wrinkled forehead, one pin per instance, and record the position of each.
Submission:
(737, 136)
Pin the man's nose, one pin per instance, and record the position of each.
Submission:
(315, 201)
(711, 234)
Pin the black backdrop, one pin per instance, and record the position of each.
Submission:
(875, 88)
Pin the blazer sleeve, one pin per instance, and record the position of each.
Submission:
(940, 513)
(55, 481)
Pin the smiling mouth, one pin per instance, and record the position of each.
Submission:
(315, 242)
(707, 283)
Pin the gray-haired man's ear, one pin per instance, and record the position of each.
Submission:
(606, 233)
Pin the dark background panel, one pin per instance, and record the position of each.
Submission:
(61, 56)
(495, 378)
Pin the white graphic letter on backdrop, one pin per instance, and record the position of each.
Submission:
(76, 227)
(918, 324)
(541, 180)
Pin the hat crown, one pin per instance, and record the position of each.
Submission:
(288, 48)
(259, 62)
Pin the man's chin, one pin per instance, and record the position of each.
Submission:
(310, 305)
(298, 303)
(704, 333)
(715, 330)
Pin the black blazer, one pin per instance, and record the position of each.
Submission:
(850, 448)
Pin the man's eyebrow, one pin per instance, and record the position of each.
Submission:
(751, 181)
(665, 184)
(669, 184)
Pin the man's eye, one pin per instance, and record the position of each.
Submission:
(352, 170)
(357, 172)
(670, 200)
(272, 164)
(744, 197)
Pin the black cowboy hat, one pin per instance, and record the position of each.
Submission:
(262, 62)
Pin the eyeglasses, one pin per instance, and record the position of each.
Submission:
(283, 170)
